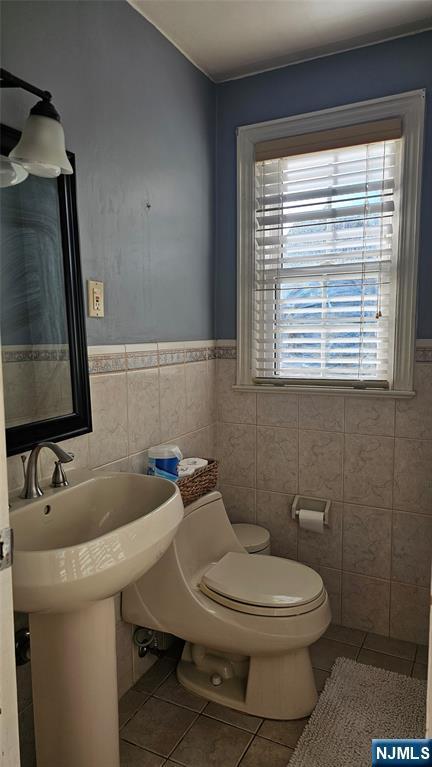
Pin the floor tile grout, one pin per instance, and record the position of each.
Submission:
(380, 652)
(184, 734)
(137, 745)
(164, 756)
(180, 705)
(230, 724)
(270, 740)
(245, 750)
(146, 697)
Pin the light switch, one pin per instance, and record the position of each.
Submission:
(95, 295)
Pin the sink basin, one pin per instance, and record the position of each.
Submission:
(74, 549)
(88, 541)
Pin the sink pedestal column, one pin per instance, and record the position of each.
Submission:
(74, 676)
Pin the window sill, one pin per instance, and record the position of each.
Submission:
(332, 390)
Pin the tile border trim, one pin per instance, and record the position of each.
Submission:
(130, 357)
(114, 359)
(49, 354)
(423, 353)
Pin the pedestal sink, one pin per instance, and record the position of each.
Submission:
(75, 548)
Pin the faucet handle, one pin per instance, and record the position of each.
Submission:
(59, 478)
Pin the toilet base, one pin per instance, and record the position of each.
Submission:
(273, 686)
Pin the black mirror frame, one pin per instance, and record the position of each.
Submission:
(26, 436)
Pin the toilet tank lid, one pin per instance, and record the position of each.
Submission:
(252, 537)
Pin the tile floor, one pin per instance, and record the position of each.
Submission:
(163, 724)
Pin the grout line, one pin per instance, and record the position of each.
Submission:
(150, 694)
(175, 703)
(245, 752)
(329, 431)
(170, 673)
(278, 742)
(146, 697)
(146, 748)
(246, 748)
(184, 734)
(224, 721)
(378, 652)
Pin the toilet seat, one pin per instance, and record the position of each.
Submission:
(263, 585)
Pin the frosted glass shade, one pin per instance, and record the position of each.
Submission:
(41, 148)
(11, 173)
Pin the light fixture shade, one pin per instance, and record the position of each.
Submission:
(11, 172)
(41, 148)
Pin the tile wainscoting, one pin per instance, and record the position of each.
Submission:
(34, 375)
(142, 395)
(372, 456)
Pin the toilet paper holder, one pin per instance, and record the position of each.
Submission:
(313, 504)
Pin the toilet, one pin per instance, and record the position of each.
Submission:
(248, 621)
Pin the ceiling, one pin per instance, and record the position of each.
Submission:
(233, 38)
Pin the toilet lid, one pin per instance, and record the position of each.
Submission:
(262, 581)
(252, 537)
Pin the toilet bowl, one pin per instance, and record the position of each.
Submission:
(248, 620)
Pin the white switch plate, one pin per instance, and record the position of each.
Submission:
(95, 296)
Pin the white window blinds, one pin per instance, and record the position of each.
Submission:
(325, 265)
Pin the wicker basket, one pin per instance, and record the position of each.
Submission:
(201, 482)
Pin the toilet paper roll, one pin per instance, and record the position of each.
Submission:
(185, 471)
(311, 520)
(194, 463)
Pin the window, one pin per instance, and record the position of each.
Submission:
(327, 267)
(325, 264)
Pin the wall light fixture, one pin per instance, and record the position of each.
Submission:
(41, 149)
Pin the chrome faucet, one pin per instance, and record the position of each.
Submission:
(31, 487)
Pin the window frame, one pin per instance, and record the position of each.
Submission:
(410, 107)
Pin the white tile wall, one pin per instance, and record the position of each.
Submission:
(373, 457)
(132, 410)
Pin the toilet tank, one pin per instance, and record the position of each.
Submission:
(254, 538)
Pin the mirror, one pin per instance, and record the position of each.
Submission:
(42, 322)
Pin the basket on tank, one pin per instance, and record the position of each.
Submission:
(201, 482)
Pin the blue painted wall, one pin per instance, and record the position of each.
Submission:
(144, 124)
(366, 73)
(141, 120)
